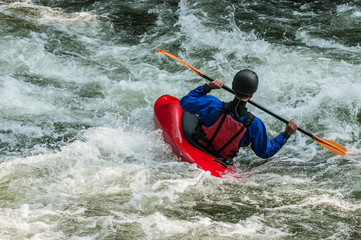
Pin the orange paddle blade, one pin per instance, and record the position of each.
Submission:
(181, 61)
(332, 146)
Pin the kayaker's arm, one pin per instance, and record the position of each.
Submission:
(260, 142)
(191, 101)
(198, 102)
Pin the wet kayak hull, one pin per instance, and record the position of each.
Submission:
(168, 116)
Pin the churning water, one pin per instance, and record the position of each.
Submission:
(80, 158)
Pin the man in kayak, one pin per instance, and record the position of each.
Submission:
(225, 127)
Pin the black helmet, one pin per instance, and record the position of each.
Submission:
(245, 82)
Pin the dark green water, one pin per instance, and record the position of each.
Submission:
(79, 156)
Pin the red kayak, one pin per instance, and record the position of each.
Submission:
(177, 127)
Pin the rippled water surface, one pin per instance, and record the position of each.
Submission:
(79, 155)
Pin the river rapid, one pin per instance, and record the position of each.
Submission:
(79, 155)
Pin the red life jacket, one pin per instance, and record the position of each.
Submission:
(222, 138)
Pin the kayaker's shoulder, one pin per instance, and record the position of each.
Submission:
(256, 121)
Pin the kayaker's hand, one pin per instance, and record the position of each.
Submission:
(216, 84)
(291, 127)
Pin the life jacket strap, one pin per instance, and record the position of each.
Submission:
(216, 132)
(246, 122)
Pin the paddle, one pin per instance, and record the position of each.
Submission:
(330, 145)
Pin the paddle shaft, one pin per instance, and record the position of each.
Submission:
(260, 107)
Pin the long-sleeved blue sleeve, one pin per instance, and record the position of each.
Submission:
(207, 106)
(260, 142)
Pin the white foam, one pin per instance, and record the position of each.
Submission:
(344, 8)
(122, 174)
(163, 227)
(18, 98)
(48, 14)
(109, 161)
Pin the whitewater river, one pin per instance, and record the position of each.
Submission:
(79, 155)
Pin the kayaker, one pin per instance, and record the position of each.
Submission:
(225, 127)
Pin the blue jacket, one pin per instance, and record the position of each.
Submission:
(209, 109)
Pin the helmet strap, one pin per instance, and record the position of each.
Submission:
(236, 109)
